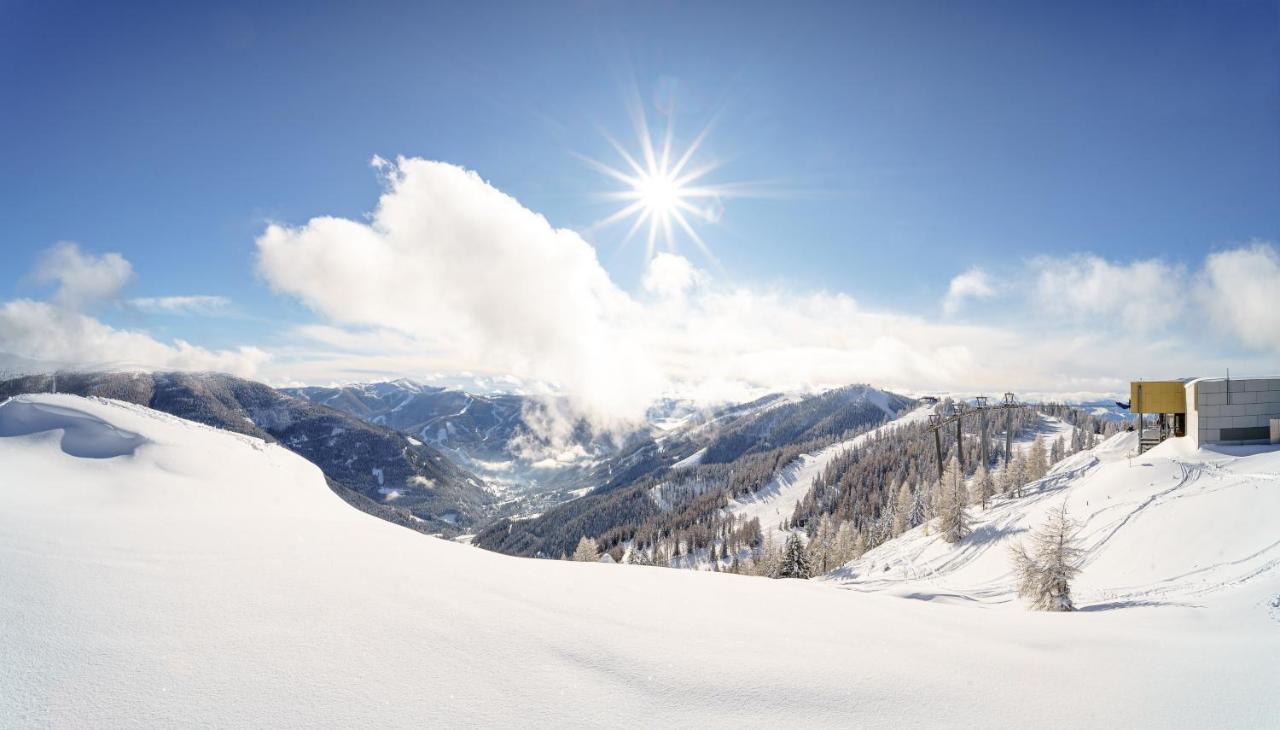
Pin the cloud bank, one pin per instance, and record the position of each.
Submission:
(1240, 289)
(449, 273)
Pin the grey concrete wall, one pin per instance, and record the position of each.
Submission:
(1250, 403)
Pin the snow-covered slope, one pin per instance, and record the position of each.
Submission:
(1174, 526)
(776, 501)
(195, 577)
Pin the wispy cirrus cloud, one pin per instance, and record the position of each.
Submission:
(201, 305)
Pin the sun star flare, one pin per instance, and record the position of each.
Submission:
(663, 192)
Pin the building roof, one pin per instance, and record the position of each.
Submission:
(1216, 378)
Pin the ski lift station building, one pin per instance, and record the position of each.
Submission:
(1234, 411)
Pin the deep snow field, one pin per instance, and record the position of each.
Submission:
(159, 573)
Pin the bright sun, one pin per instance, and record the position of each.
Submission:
(661, 190)
(659, 193)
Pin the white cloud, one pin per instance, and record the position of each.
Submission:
(454, 263)
(1240, 288)
(972, 284)
(449, 274)
(82, 279)
(38, 335)
(1145, 295)
(55, 336)
(669, 276)
(204, 305)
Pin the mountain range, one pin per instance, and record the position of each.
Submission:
(376, 468)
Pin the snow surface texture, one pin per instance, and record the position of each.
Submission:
(208, 579)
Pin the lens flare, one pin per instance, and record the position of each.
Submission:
(663, 191)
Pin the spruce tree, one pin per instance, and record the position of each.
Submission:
(639, 556)
(795, 560)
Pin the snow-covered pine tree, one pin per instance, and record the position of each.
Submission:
(859, 545)
(919, 508)
(902, 510)
(770, 558)
(1037, 460)
(639, 556)
(586, 552)
(845, 543)
(953, 519)
(794, 562)
(982, 488)
(1057, 451)
(1017, 475)
(1045, 570)
(822, 546)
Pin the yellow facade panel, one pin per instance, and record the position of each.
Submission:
(1158, 396)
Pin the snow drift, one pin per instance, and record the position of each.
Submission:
(208, 578)
(82, 435)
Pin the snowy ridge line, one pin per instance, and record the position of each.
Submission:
(136, 410)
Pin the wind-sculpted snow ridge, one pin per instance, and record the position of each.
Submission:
(1174, 526)
(83, 435)
(213, 580)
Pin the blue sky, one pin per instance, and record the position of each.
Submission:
(911, 142)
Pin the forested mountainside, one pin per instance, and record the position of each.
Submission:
(865, 494)
(672, 483)
(887, 485)
(497, 427)
(533, 451)
(375, 468)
